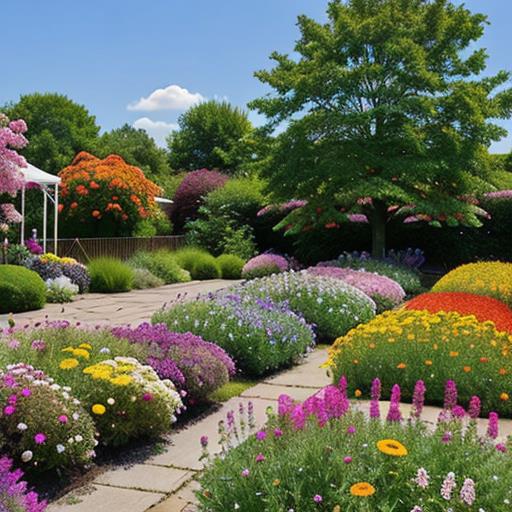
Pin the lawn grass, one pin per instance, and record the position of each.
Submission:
(233, 388)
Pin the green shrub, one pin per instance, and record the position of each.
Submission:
(20, 289)
(201, 264)
(110, 275)
(260, 336)
(230, 266)
(143, 279)
(162, 264)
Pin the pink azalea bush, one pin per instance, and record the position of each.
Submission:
(11, 179)
(14, 493)
(264, 265)
(384, 291)
(324, 454)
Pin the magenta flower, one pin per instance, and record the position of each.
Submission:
(418, 399)
(9, 410)
(447, 438)
(285, 405)
(458, 412)
(501, 447)
(261, 435)
(26, 392)
(394, 414)
(351, 429)
(204, 441)
(450, 395)
(317, 498)
(474, 407)
(375, 397)
(40, 438)
(347, 460)
(147, 397)
(278, 432)
(492, 426)
(260, 457)
(63, 419)
(245, 473)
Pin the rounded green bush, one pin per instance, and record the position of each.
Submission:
(201, 264)
(230, 266)
(162, 264)
(21, 289)
(110, 275)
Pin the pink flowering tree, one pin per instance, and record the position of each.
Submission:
(11, 179)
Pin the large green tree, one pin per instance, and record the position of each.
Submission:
(58, 129)
(212, 135)
(385, 114)
(137, 148)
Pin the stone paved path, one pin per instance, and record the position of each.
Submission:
(118, 308)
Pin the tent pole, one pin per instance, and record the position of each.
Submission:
(56, 219)
(45, 218)
(23, 214)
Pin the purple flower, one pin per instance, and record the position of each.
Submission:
(450, 395)
(40, 438)
(375, 397)
(204, 441)
(418, 399)
(467, 492)
(492, 426)
(278, 432)
(285, 405)
(347, 460)
(245, 473)
(38, 345)
(261, 435)
(147, 397)
(458, 412)
(474, 407)
(317, 498)
(394, 414)
(260, 457)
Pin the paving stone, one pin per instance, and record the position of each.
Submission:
(107, 499)
(272, 392)
(172, 504)
(185, 450)
(187, 492)
(145, 477)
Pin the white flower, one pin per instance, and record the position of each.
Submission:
(22, 426)
(27, 456)
(79, 438)
(76, 416)
(60, 448)
(110, 401)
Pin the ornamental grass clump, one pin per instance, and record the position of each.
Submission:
(14, 492)
(200, 263)
(42, 425)
(406, 345)
(322, 455)
(231, 266)
(195, 366)
(490, 278)
(162, 264)
(331, 305)
(258, 334)
(483, 308)
(110, 275)
(264, 265)
(385, 292)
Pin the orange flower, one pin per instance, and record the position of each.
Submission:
(467, 369)
(428, 362)
(74, 205)
(503, 371)
(401, 366)
(95, 214)
(454, 354)
(358, 393)
(484, 359)
(504, 397)
(61, 207)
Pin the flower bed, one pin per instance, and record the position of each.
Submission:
(320, 455)
(264, 265)
(484, 308)
(403, 346)
(385, 292)
(195, 366)
(331, 305)
(491, 278)
(259, 335)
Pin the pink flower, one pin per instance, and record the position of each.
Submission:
(278, 432)
(474, 407)
(422, 479)
(467, 492)
(458, 412)
(9, 410)
(245, 473)
(447, 438)
(501, 447)
(492, 426)
(351, 429)
(261, 435)
(448, 486)
(63, 419)
(394, 414)
(26, 392)
(450, 395)
(418, 399)
(260, 457)
(375, 394)
(40, 438)
(347, 460)
(317, 498)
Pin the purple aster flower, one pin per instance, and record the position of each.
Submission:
(261, 435)
(317, 498)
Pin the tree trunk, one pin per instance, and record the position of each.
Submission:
(378, 219)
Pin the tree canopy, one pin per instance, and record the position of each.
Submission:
(385, 114)
(137, 148)
(58, 129)
(212, 135)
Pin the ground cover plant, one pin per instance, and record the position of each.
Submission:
(405, 345)
(14, 493)
(331, 305)
(162, 264)
(110, 275)
(385, 292)
(323, 455)
(483, 308)
(60, 290)
(258, 334)
(200, 263)
(490, 278)
(230, 266)
(196, 367)
(143, 278)
(39, 419)
(20, 289)
(264, 265)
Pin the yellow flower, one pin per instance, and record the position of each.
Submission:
(504, 397)
(362, 489)
(454, 354)
(358, 393)
(401, 366)
(392, 447)
(68, 364)
(86, 346)
(428, 362)
(121, 380)
(98, 409)
(81, 352)
(276, 482)
(67, 349)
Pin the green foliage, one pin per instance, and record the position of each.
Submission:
(162, 264)
(110, 275)
(157, 225)
(200, 263)
(230, 266)
(239, 241)
(143, 278)
(325, 461)
(383, 102)
(20, 289)
(213, 134)
(231, 389)
(137, 148)
(58, 129)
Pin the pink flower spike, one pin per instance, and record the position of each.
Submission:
(492, 426)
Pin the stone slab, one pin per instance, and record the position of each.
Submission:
(145, 477)
(103, 498)
(172, 504)
(272, 392)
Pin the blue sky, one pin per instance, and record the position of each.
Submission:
(109, 54)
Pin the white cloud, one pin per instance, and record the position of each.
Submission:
(173, 97)
(156, 129)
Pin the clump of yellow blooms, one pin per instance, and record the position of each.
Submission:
(117, 374)
(492, 278)
(404, 346)
(49, 257)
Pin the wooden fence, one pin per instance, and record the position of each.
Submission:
(85, 249)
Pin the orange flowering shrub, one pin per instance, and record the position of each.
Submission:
(483, 308)
(105, 197)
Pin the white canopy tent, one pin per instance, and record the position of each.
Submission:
(49, 184)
